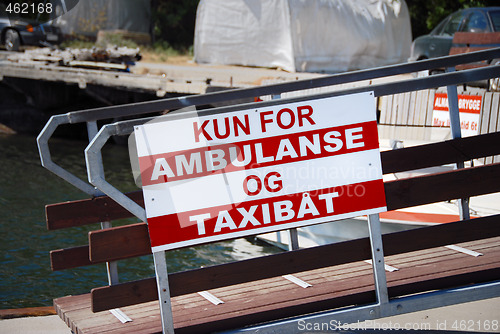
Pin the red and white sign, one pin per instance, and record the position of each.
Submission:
(224, 176)
(469, 107)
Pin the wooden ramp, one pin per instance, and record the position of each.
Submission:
(267, 299)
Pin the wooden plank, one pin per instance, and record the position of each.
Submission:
(457, 278)
(381, 109)
(399, 100)
(109, 243)
(455, 50)
(406, 108)
(434, 188)
(394, 114)
(97, 65)
(295, 261)
(411, 108)
(420, 110)
(420, 98)
(389, 109)
(471, 66)
(484, 118)
(436, 154)
(441, 235)
(476, 38)
(484, 121)
(430, 107)
(395, 108)
(69, 258)
(87, 211)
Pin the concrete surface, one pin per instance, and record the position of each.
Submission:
(51, 324)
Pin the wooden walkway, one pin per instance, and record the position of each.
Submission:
(331, 287)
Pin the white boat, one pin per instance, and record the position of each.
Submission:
(391, 221)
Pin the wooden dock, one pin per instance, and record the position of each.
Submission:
(158, 79)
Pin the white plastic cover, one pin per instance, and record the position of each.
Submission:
(90, 16)
(303, 35)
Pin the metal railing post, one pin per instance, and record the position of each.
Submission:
(378, 262)
(463, 203)
(111, 267)
(293, 236)
(167, 320)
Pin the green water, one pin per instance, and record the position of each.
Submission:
(25, 188)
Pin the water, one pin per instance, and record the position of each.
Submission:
(25, 188)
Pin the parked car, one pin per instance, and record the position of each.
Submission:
(15, 32)
(439, 41)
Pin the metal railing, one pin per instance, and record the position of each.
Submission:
(98, 138)
(90, 116)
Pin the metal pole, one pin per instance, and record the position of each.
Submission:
(294, 239)
(378, 259)
(167, 320)
(112, 267)
(463, 203)
(293, 236)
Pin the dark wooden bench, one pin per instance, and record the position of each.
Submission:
(253, 290)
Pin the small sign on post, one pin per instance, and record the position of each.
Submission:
(469, 107)
(230, 175)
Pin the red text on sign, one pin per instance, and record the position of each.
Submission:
(258, 153)
(272, 183)
(285, 118)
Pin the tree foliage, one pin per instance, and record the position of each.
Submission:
(173, 22)
(425, 14)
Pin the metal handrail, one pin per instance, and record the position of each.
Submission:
(93, 150)
(125, 127)
(91, 115)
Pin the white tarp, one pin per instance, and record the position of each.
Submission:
(303, 35)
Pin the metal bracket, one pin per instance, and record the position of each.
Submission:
(92, 158)
(378, 260)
